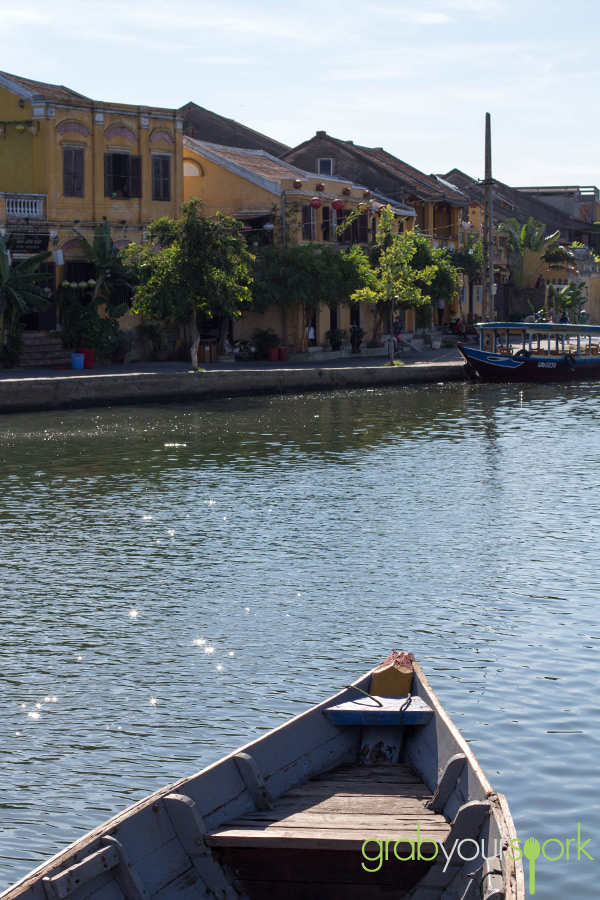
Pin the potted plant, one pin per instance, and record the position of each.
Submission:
(267, 343)
(356, 336)
(336, 337)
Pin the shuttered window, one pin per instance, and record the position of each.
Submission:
(73, 171)
(308, 223)
(122, 175)
(161, 177)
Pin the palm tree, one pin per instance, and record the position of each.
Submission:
(531, 250)
(111, 273)
(20, 293)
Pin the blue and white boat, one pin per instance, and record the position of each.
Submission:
(534, 351)
(373, 793)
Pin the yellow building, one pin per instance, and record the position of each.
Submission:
(278, 202)
(68, 162)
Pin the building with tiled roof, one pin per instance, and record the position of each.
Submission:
(509, 202)
(283, 204)
(204, 125)
(68, 162)
(437, 205)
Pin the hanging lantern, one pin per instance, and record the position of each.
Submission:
(65, 284)
(347, 191)
(247, 228)
(91, 282)
(20, 127)
(82, 285)
(297, 184)
(74, 285)
(363, 210)
(380, 209)
(320, 186)
(316, 203)
(367, 193)
(338, 205)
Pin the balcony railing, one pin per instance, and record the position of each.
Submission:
(24, 206)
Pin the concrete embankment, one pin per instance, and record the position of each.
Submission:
(25, 394)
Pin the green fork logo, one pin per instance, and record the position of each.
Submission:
(551, 850)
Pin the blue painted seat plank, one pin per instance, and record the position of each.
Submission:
(367, 711)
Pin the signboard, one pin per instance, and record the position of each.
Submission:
(29, 242)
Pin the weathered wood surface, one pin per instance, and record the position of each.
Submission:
(448, 781)
(380, 711)
(300, 822)
(253, 780)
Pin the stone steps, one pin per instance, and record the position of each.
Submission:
(41, 350)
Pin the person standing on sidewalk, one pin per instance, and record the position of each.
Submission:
(440, 307)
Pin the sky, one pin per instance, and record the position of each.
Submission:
(414, 78)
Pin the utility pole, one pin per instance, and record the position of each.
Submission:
(488, 229)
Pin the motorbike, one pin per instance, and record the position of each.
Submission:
(243, 351)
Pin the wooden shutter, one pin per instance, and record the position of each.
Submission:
(326, 223)
(306, 222)
(135, 176)
(108, 175)
(73, 171)
(363, 228)
(161, 178)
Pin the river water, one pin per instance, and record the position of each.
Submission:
(177, 580)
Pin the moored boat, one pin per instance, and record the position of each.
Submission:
(534, 351)
(373, 793)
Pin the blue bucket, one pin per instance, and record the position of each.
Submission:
(77, 360)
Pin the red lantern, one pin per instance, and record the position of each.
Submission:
(297, 184)
(338, 205)
(347, 191)
(367, 193)
(316, 203)
(320, 186)
(380, 209)
(247, 227)
(364, 209)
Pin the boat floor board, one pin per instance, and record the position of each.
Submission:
(325, 820)
(299, 867)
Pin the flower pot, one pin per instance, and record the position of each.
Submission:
(77, 360)
(88, 356)
(273, 354)
(284, 354)
(336, 345)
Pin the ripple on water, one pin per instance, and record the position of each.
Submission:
(182, 579)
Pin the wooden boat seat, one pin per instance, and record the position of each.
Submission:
(380, 711)
(310, 843)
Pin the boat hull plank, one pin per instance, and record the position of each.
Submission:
(189, 886)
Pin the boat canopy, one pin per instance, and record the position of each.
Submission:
(539, 327)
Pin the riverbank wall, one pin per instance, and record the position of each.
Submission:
(23, 394)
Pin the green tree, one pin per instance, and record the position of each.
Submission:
(189, 267)
(469, 259)
(20, 293)
(306, 277)
(408, 273)
(530, 250)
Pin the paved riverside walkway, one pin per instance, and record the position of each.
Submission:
(29, 389)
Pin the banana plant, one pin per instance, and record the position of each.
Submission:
(568, 296)
(531, 250)
(20, 293)
(111, 273)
